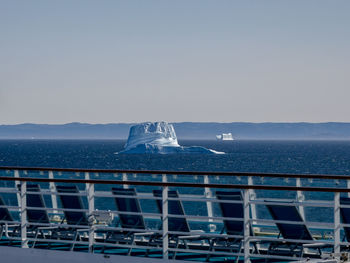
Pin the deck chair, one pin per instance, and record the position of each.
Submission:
(231, 227)
(5, 217)
(130, 204)
(75, 219)
(72, 202)
(35, 216)
(35, 199)
(177, 224)
(132, 225)
(300, 232)
(4, 212)
(345, 216)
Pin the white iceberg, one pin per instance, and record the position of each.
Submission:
(158, 137)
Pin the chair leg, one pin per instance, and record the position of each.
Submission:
(177, 246)
(256, 250)
(239, 250)
(35, 238)
(211, 246)
(151, 239)
(76, 236)
(132, 243)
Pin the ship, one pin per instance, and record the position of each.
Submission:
(224, 137)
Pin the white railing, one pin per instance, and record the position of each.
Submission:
(198, 189)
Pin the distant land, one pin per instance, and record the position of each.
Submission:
(184, 131)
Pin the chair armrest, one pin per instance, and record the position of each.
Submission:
(197, 231)
(12, 225)
(82, 229)
(316, 245)
(47, 227)
(144, 234)
(189, 237)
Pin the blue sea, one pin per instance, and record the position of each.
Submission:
(316, 157)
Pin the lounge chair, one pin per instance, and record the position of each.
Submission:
(77, 220)
(4, 212)
(36, 200)
(345, 216)
(5, 217)
(284, 212)
(177, 224)
(132, 225)
(35, 217)
(129, 204)
(74, 201)
(231, 227)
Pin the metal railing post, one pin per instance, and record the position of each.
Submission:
(337, 224)
(300, 198)
(252, 197)
(17, 183)
(90, 189)
(165, 222)
(246, 222)
(125, 179)
(208, 194)
(52, 190)
(23, 197)
(165, 218)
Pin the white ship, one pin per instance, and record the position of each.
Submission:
(225, 137)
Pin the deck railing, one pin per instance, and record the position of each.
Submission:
(317, 198)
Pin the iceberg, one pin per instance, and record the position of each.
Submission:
(159, 138)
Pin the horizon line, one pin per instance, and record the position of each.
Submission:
(204, 122)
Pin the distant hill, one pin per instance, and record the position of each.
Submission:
(184, 130)
(266, 131)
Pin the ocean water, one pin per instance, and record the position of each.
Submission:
(319, 157)
(302, 157)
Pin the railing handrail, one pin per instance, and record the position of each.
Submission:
(175, 184)
(167, 172)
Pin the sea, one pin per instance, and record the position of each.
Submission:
(304, 157)
(296, 157)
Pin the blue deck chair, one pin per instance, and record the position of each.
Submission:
(33, 215)
(231, 210)
(177, 224)
(35, 199)
(345, 216)
(231, 227)
(128, 204)
(300, 232)
(5, 217)
(74, 218)
(37, 216)
(175, 207)
(72, 202)
(132, 225)
(4, 212)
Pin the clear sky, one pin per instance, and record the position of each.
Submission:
(192, 60)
